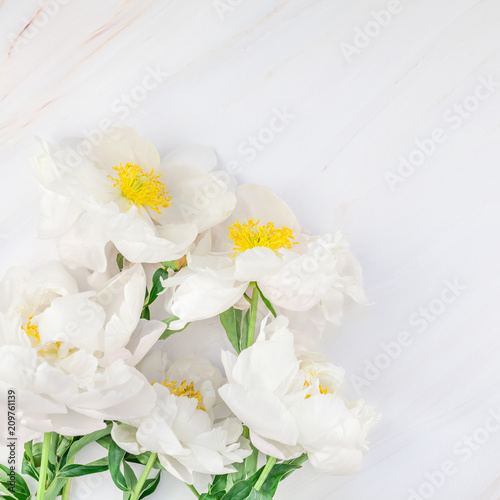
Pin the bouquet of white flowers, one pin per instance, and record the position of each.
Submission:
(150, 248)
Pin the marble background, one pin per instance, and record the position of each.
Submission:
(390, 125)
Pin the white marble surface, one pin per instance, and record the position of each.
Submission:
(222, 74)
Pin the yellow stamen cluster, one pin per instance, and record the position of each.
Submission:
(140, 188)
(322, 390)
(32, 330)
(251, 235)
(184, 390)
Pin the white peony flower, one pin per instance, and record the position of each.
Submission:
(68, 355)
(261, 241)
(291, 401)
(190, 429)
(119, 191)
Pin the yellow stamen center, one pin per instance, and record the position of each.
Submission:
(322, 390)
(251, 235)
(32, 330)
(140, 188)
(184, 390)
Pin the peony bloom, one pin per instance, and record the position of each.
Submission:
(119, 192)
(291, 401)
(190, 429)
(261, 241)
(69, 355)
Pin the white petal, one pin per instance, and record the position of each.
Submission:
(256, 263)
(57, 214)
(83, 245)
(54, 276)
(201, 297)
(75, 319)
(267, 365)
(75, 424)
(188, 162)
(262, 412)
(337, 461)
(332, 303)
(123, 298)
(274, 448)
(125, 437)
(260, 202)
(124, 145)
(145, 336)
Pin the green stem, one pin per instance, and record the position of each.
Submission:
(253, 314)
(144, 476)
(193, 489)
(40, 493)
(67, 485)
(267, 469)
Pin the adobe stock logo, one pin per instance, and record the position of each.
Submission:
(464, 449)
(363, 36)
(48, 9)
(255, 143)
(223, 7)
(420, 320)
(454, 118)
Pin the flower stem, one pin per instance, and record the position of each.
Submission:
(144, 476)
(40, 493)
(67, 485)
(267, 469)
(193, 489)
(253, 314)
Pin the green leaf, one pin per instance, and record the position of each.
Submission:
(175, 265)
(63, 445)
(130, 477)
(267, 302)
(278, 472)
(259, 495)
(207, 496)
(145, 310)
(244, 328)
(53, 462)
(6, 493)
(37, 452)
(143, 459)
(218, 484)
(150, 486)
(115, 459)
(29, 464)
(29, 468)
(295, 461)
(54, 490)
(21, 489)
(119, 261)
(28, 449)
(234, 477)
(167, 333)
(241, 489)
(157, 286)
(104, 441)
(83, 441)
(77, 470)
(231, 321)
(251, 461)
